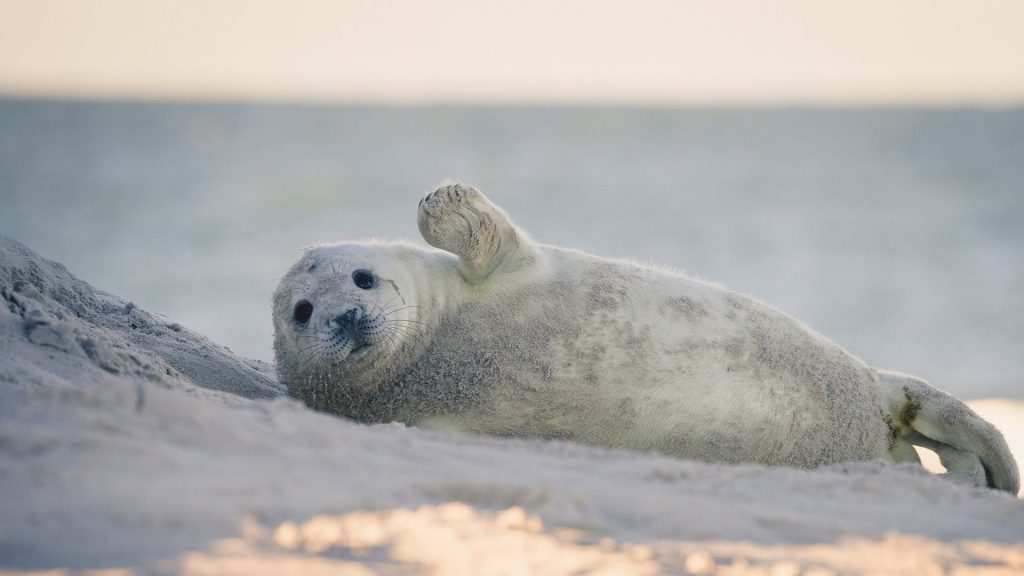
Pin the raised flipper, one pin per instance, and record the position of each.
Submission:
(459, 219)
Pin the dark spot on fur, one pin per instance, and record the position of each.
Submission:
(627, 411)
(909, 411)
(894, 430)
(687, 307)
(638, 341)
(734, 302)
(395, 286)
(603, 294)
(608, 286)
(735, 347)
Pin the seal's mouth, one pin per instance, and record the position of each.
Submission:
(358, 351)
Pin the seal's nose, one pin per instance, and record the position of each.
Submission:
(348, 319)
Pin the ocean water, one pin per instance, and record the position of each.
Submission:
(897, 233)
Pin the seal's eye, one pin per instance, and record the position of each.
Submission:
(364, 279)
(303, 310)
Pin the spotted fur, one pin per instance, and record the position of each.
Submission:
(496, 334)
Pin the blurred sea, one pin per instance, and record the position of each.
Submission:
(897, 233)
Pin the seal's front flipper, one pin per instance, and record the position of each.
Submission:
(459, 219)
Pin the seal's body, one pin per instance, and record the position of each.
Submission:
(499, 335)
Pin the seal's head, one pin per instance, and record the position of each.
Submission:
(343, 314)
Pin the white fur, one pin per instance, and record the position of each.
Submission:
(497, 334)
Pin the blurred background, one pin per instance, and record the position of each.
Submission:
(860, 165)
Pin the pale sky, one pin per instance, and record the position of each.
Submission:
(658, 52)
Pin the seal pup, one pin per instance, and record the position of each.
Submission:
(493, 333)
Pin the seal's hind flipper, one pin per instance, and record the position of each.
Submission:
(930, 418)
(961, 466)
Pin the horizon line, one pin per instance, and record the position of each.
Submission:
(229, 98)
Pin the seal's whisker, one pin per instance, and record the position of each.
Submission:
(390, 336)
(400, 309)
(388, 303)
(406, 330)
(396, 330)
(404, 322)
(390, 345)
(408, 321)
(394, 336)
(395, 342)
(314, 355)
(315, 344)
(403, 308)
(373, 309)
(416, 328)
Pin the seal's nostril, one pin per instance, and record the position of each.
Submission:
(348, 318)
